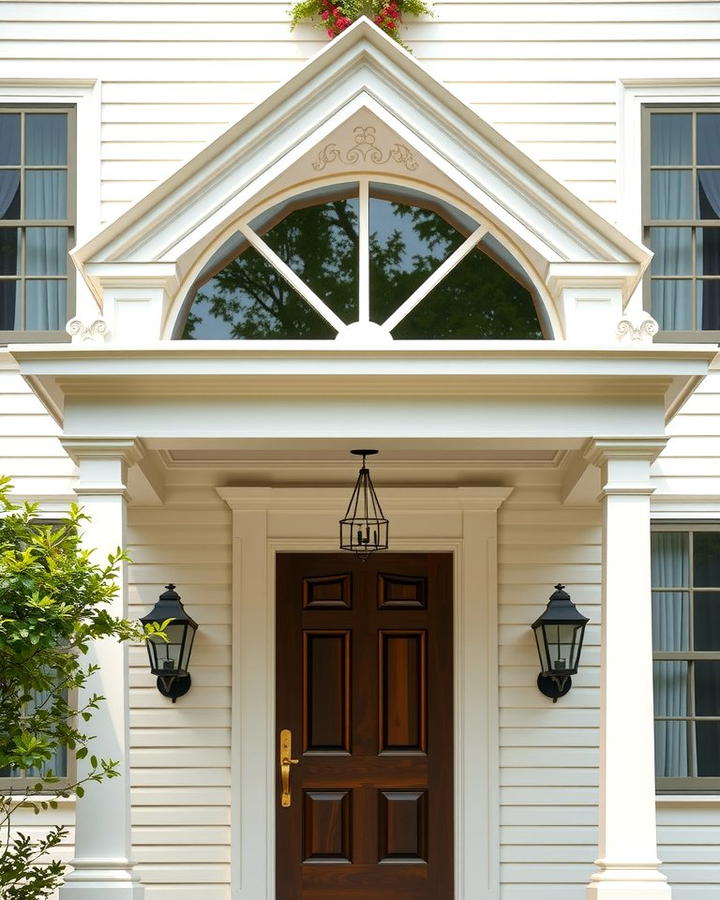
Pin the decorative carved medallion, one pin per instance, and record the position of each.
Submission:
(96, 331)
(365, 150)
(639, 329)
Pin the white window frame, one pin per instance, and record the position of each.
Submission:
(84, 96)
(633, 96)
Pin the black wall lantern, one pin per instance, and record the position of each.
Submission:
(559, 635)
(364, 528)
(169, 659)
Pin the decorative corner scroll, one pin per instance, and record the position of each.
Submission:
(95, 332)
(638, 329)
(365, 150)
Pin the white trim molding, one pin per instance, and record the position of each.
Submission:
(462, 521)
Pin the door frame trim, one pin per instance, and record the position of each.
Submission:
(265, 522)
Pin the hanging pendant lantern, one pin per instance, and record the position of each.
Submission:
(364, 528)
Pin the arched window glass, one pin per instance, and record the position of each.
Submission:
(357, 256)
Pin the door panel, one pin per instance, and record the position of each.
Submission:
(364, 682)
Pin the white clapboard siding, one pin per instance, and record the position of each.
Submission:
(180, 753)
(548, 752)
(30, 452)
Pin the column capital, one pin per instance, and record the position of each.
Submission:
(128, 450)
(600, 450)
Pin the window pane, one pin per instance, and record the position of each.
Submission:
(9, 305)
(707, 620)
(670, 681)
(46, 194)
(707, 736)
(671, 620)
(249, 299)
(706, 558)
(707, 687)
(46, 139)
(708, 194)
(707, 243)
(477, 299)
(673, 251)
(9, 139)
(46, 251)
(9, 251)
(708, 293)
(671, 304)
(671, 749)
(670, 559)
(671, 195)
(10, 194)
(320, 244)
(671, 139)
(45, 305)
(708, 139)
(407, 244)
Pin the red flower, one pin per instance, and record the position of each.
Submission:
(330, 32)
(324, 15)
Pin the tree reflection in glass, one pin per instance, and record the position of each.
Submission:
(477, 299)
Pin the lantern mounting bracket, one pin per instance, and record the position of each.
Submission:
(174, 686)
(554, 686)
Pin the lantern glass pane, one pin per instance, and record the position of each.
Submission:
(542, 648)
(187, 648)
(563, 646)
(152, 648)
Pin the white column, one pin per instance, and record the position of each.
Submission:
(102, 868)
(628, 862)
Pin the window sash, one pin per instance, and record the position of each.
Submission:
(691, 782)
(50, 309)
(672, 304)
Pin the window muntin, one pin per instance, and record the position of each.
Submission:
(686, 656)
(36, 218)
(368, 254)
(682, 219)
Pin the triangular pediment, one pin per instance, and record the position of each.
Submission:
(306, 131)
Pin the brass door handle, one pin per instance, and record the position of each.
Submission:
(286, 761)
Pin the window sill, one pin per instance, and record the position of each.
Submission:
(687, 337)
(34, 337)
(687, 799)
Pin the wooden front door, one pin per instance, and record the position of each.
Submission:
(365, 686)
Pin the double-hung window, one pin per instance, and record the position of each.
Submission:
(686, 656)
(37, 190)
(682, 220)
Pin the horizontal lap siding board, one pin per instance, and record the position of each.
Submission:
(690, 464)
(548, 752)
(30, 451)
(180, 753)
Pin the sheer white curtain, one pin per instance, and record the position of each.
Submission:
(671, 198)
(10, 246)
(671, 632)
(46, 198)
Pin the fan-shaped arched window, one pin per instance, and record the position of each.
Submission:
(329, 261)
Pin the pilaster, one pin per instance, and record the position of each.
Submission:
(102, 868)
(628, 862)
